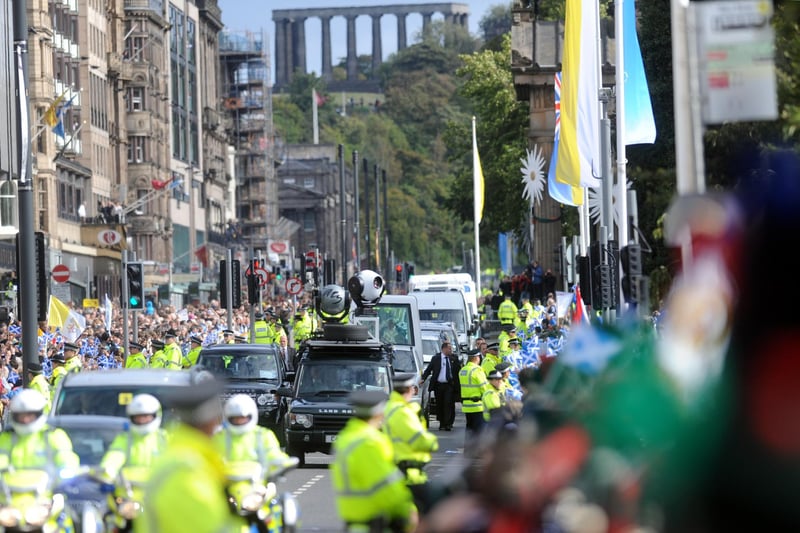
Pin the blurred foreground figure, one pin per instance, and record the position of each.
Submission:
(691, 431)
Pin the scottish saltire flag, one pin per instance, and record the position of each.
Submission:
(640, 126)
(16, 329)
(579, 163)
(560, 192)
(589, 349)
(58, 127)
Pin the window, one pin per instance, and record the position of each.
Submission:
(136, 149)
(309, 221)
(136, 99)
(71, 193)
(309, 182)
(8, 203)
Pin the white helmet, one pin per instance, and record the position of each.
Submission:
(332, 300)
(28, 401)
(144, 404)
(240, 405)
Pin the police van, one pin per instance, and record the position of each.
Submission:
(460, 281)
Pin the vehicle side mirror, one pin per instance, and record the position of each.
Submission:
(284, 391)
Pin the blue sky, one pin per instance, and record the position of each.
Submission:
(240, 15)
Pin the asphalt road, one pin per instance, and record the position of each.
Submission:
(311, 485)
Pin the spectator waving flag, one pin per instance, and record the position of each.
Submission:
(560, 192)
(579, 163)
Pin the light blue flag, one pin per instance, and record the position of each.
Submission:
(640, 126)
(504, 253)
(560, 192)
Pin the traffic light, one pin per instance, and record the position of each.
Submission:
(409, 270)
(253, 283)
(236, 284)
(398, 273)
(604, 275)
(41, 275)
(631, 257)
(312, 268)
(135, 286)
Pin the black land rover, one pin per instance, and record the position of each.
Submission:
(253, 369)
(344, 359)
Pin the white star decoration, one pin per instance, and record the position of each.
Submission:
(596, 200)
(533, 175)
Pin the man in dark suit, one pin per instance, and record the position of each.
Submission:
(444, 382)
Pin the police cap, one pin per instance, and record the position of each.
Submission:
(70, 346)
(502, 367)
(514, 340)
(194, 339)
(34, 368)
(495, 374)
(493, 347)
(402, 380)
(58, 358)
(157, 344)
(135, 346)
(367, 403)
(473, 353)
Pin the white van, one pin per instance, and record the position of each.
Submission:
(461, 281)
(404, 314)
(448, 306)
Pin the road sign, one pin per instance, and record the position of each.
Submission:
(294, 286)
(263, 276)
(60, 273)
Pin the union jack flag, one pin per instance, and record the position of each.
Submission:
(560, 192)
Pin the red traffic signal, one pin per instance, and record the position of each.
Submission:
(398, 269)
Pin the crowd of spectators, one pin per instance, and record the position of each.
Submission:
(101, 345)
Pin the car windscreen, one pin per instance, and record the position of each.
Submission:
(430, 347)
(106, 400)
(331, 378)
(240, 365)
(456, 316)
(91, 443)
(404, 360)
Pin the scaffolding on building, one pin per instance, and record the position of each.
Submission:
(247, 97)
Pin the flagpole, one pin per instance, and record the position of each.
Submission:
(477, 203)
(314, 116)
(66, 144)
(42, 127)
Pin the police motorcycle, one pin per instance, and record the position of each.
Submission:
(30, 503)
(125, 498)
(253, 494)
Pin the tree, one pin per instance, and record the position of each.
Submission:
(501, 122)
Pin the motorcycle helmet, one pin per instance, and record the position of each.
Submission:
(28, 401)
(144, 404)
(240, 405)
(332, 300)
